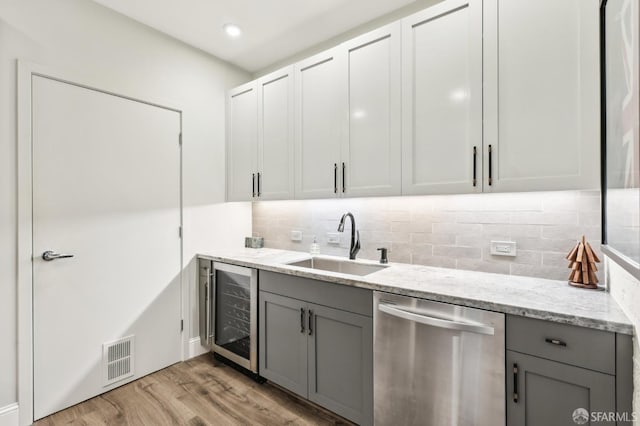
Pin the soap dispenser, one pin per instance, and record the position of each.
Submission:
(315, 247)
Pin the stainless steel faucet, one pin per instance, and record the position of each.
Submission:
(354, 248)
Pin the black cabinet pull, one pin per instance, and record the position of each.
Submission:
(556, 342)
(310, 322)
(490, 166)
(475, 156)
(258, 184)
(301, 320)
(335, 178)
(515, 383)
(344, 185)
(253, 184)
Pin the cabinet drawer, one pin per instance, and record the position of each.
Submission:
(338, 296)
(580, 346)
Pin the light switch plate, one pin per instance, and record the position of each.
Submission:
(333, 238)
(296, 236)
(503, 248)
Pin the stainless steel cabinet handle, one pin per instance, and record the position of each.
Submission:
(335, 178)
(50, 255)
(301, 320)
(344, 185)
(253, 184)
(258, 184)
(207, 301)
(556, 342)
(515, 383)
(475, 156)
(490, 165)
(472, 327)
(310, 322)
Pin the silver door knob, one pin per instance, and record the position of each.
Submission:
(49, 256)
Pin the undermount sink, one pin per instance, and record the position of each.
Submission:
(338, 265)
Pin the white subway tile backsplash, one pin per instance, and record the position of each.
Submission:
(431, 238)
(483, 266)
(452, 231)
(589, 218)
(513, 231)
(482, 217)
(549, 272)
(437, 261)
(525, 257)
(592, 233)
(545, 218)
(458, 252)
(457, 228)
(546, 245)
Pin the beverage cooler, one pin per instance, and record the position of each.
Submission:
(228, 311)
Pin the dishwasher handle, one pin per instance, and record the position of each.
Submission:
(472, 327)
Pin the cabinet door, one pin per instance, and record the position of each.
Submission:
(541, 99)
(283, 341)
(371, 155)
(319, 119)
(549, 392)
(275, 135)
(442, 99)
(242, 142)
(341, 362)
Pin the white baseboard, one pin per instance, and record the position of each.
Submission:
(195, 349)
(9, 415)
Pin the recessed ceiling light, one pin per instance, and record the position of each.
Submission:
(232, 30)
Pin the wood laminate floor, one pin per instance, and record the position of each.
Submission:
(200, 391)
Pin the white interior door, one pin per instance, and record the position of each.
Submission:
(106, 189)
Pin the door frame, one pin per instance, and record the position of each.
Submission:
(25, 72)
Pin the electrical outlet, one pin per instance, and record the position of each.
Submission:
(333, 238)
(503, 248)
(296, 236)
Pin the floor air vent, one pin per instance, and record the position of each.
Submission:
(117, 360)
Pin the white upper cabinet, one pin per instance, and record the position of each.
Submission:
(541, 99)
(274, 180)
(465, 96)
(242, 142)
(319, 121)
(442, 99)
(371, 153)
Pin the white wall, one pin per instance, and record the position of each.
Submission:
(625, 289)
(91, 44)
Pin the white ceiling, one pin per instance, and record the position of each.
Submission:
(272, 29)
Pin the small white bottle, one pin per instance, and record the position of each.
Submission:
(315, 247)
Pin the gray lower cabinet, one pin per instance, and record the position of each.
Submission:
(283, 341)
(319, 352)
(553, 370)
(341, 362)
(542, 392)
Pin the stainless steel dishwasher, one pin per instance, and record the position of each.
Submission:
(437, 364)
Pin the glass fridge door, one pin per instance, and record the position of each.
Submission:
(233, 312)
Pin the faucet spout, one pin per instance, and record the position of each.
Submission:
(354, 247)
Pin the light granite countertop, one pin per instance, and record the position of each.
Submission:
(544, 299)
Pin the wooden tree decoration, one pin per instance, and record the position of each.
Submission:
(583, 265)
